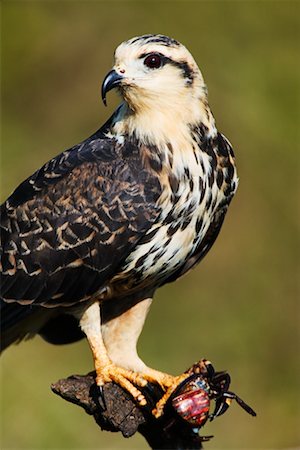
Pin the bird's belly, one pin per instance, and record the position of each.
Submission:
(167, 253)
(168, 250)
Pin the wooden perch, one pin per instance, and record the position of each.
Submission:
(118, 412)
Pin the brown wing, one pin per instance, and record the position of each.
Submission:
(67, 228)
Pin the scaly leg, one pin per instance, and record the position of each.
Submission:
(120, 336)
(106, 370)
(160, 405)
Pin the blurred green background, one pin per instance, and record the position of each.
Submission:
(238, 308)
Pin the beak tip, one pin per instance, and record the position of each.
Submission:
(111, 80)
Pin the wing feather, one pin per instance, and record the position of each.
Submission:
(67, 228)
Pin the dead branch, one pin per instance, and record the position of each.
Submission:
(119, 413)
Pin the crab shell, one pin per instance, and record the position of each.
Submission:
(192, 406)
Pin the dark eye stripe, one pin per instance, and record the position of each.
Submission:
(187, 71)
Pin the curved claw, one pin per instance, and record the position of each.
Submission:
(223, 403)
(246, 407)
(101, 399)
(210, 371)
(126, 379)
(160, 405)
(221, 407)
(222, 381)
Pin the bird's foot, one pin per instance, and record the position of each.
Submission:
(129, 380)
(126, 379)
(167, 382)
(172, 383)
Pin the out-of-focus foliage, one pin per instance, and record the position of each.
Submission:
(238, 308)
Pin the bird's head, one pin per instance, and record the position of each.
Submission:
(160, 82)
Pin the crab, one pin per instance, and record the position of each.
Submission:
(192, 398)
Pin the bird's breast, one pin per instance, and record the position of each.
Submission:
(189, 201)
(182, 225)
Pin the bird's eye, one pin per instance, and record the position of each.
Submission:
(153, 61)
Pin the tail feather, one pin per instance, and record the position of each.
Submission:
(18, 322)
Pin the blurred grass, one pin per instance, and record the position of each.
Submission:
(238, 308)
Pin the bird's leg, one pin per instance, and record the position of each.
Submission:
(160, 405)
(121, 332)
(120, 336)
(106, 370)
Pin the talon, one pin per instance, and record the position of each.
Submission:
(101, 398)
(126, 379)
(160, 405)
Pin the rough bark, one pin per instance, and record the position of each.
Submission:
(115, 411)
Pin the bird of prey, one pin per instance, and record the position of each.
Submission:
(90, 236)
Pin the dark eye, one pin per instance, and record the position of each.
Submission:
(153, 61)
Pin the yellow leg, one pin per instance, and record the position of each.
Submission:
(120, 335)
(106, 371)
(113, 346)
(160, 405)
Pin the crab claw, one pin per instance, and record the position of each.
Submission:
(221, 407)
(246, 407)
(223, 403)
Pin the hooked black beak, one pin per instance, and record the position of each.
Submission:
(111, 80)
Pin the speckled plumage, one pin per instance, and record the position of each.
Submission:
(129, 209)
(67, 228)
